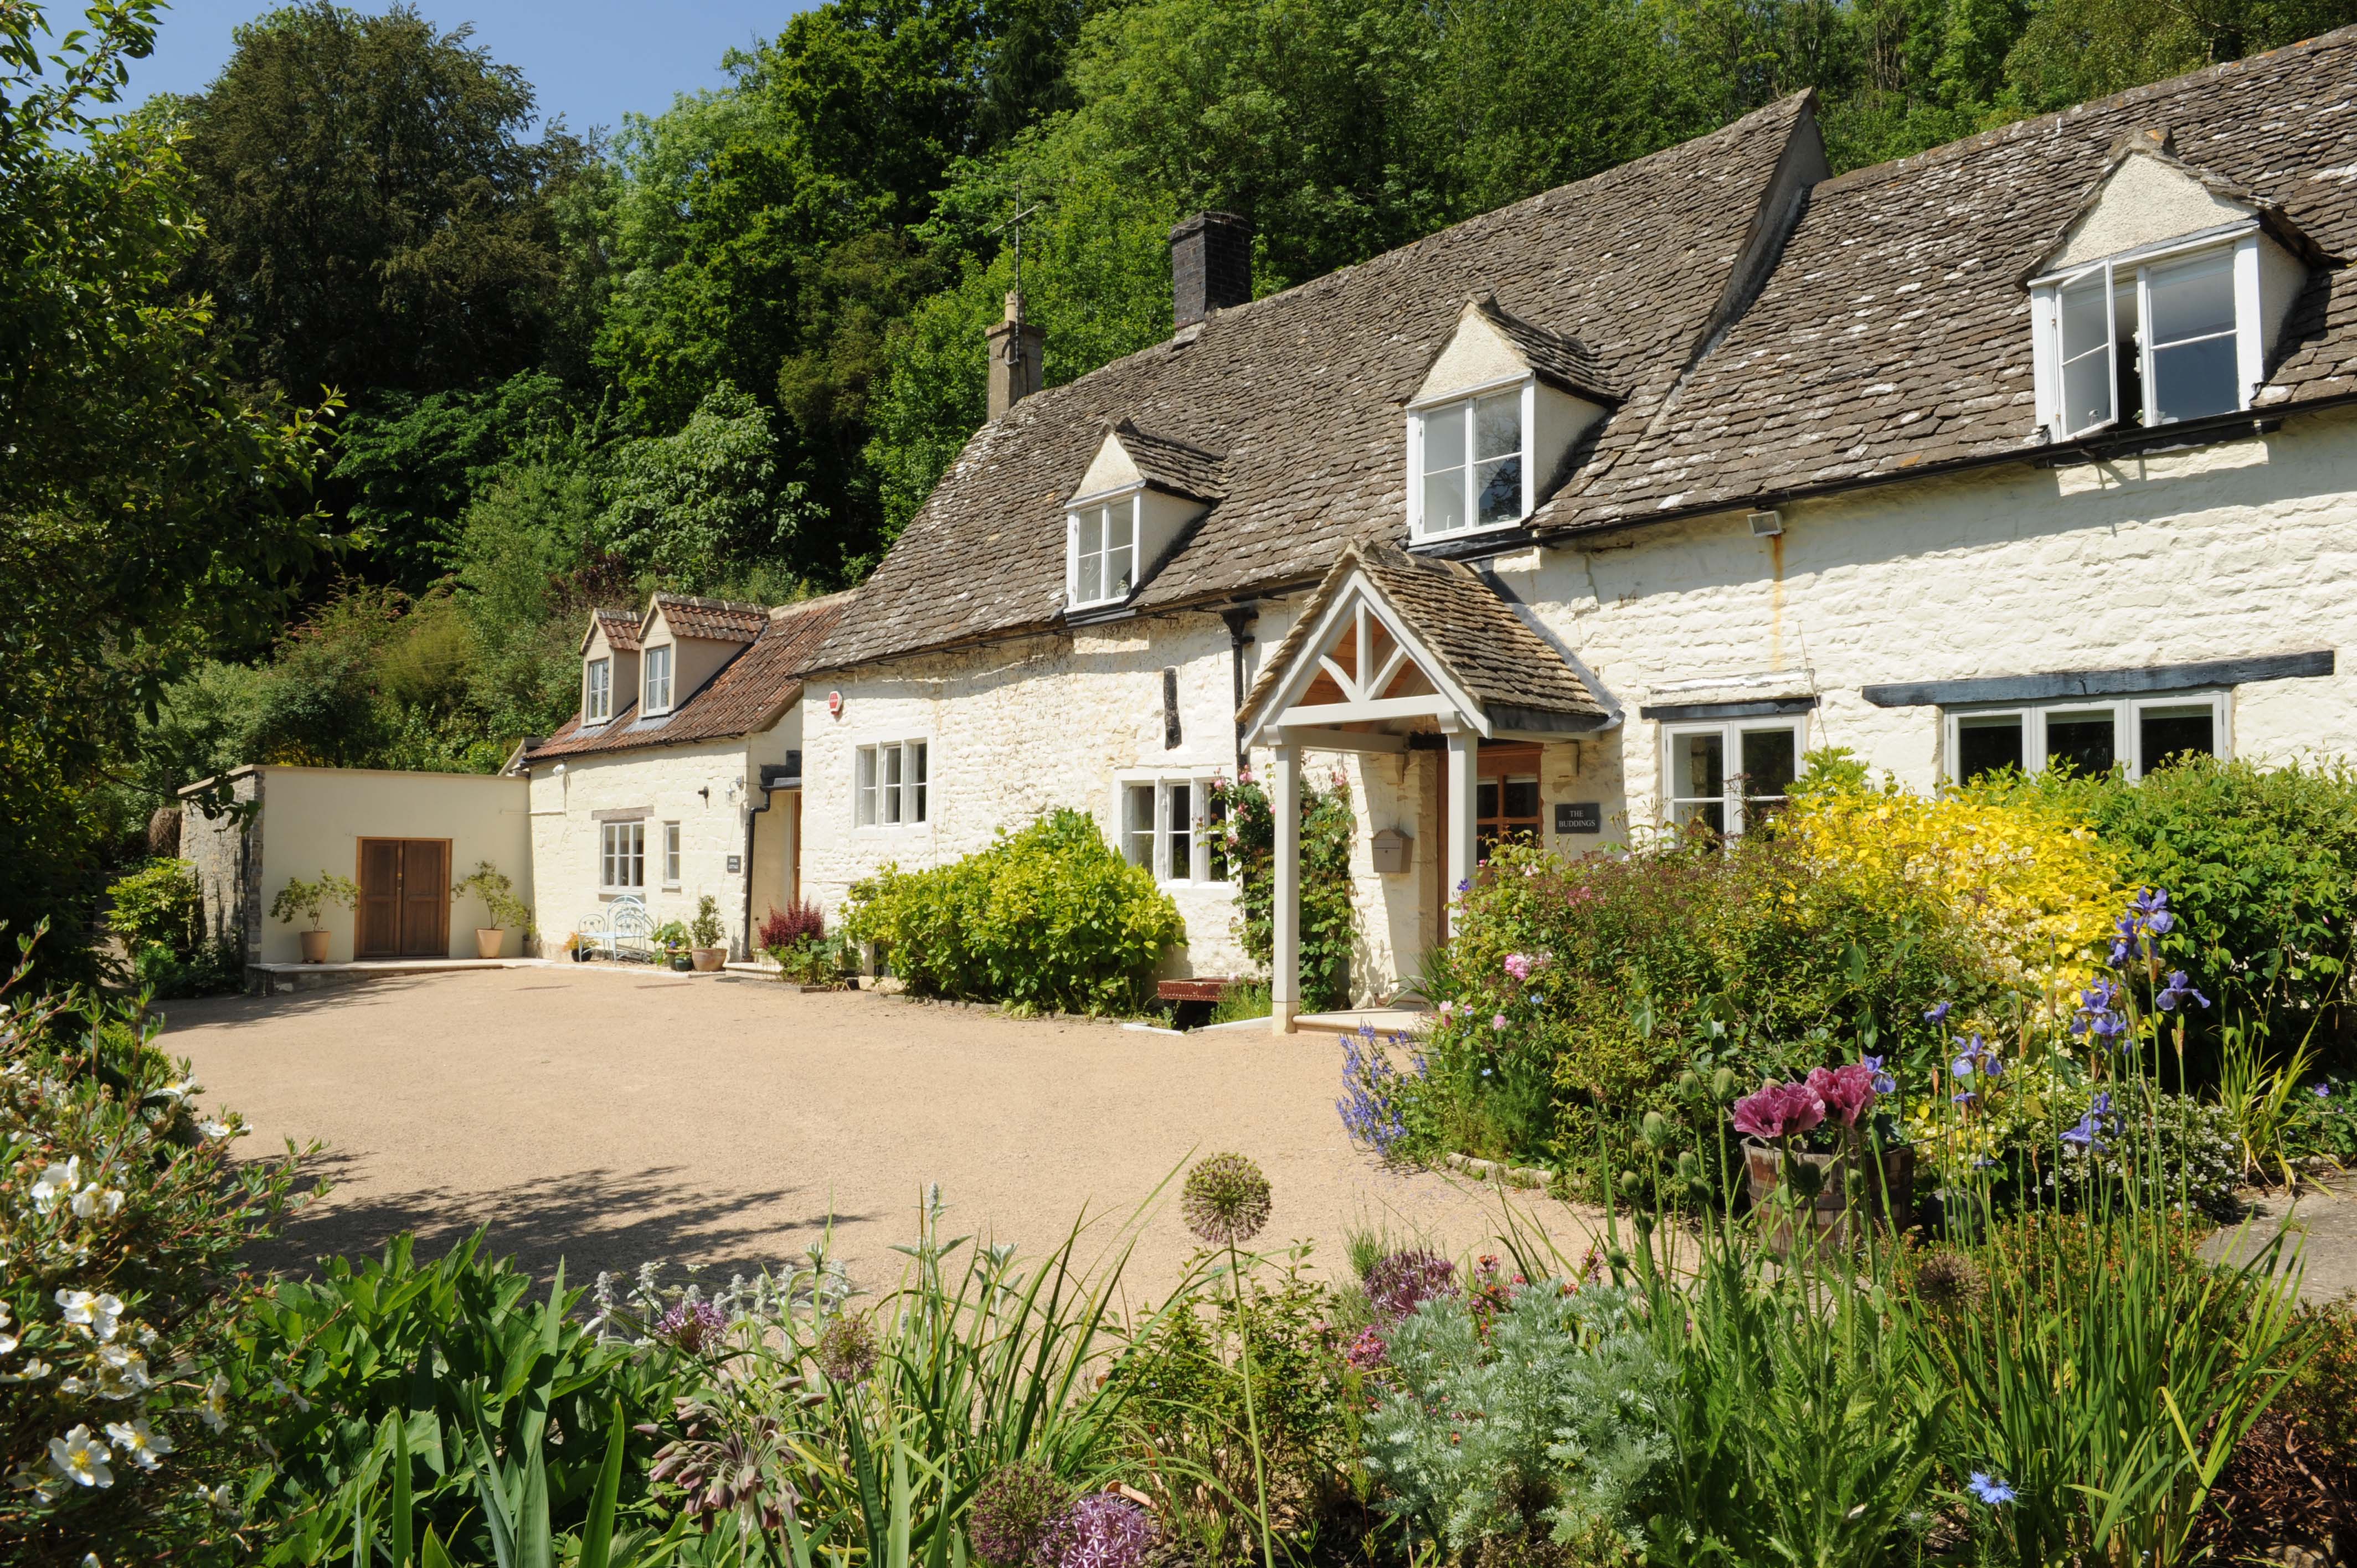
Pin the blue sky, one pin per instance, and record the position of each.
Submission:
(590, 60)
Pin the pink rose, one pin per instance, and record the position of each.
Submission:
(1779, 1110)
(1518, 965)
(1446, 1008)
(1846, 1091)
(1499, 1022)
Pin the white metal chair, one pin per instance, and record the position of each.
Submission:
(623, 929)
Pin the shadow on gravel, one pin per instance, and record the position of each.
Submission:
(593, 1219)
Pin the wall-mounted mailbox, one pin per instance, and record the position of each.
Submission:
(1580, 816)
(1394, 852)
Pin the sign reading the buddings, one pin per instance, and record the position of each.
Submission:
(1580, 816)
(736, 864)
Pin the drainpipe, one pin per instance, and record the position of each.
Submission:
(1239, 620)
(750, 813)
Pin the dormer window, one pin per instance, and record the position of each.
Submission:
(2151, 342)
(1104, 550)
(1472, 462)
(657, 687)
(598, 692)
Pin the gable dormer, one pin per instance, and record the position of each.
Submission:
(683, 643)
(1497, 413)
(2164, 297)
(1139, 494)
(609, 666)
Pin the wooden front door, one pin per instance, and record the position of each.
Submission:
(404, 898)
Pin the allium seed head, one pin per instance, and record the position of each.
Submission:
(1225, 1200)
(1013, 1511)
(1949, 1280)
(1400, 1283)
(846, 1348)
(1103, 1530)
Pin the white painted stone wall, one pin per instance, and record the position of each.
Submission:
(670, 782)
(1015, 729)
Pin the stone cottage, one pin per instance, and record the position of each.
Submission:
(1592, 515)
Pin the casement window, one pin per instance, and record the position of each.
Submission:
(1102, 548)
(657, 683)
(2089, 736)
(2167, 333)
(622, 857)
(891, 783)
(1175, 828)
(1469, 464)
(598, 692)
(1506, 808)
(1732, 777)
(671, 854)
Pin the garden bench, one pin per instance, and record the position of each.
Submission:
(1194, 989)
(621, 929)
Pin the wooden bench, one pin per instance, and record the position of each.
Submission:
(1194, 989)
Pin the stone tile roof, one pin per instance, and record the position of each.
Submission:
(1558, 358)
(621, 629)
(1894, 336)
(1487, 649)
(718, 620)
(1172, 465)
(743, 697)
(1303, 393)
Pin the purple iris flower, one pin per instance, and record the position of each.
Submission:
(2088, 1135)
(2151, 909)
(1883, 1082)
(1938, 1012)
(2173, 995)
(2099, 1011)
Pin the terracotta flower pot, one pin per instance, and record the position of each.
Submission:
(708, 960)
(314, 946)
(488, 939)
(1834, 1217)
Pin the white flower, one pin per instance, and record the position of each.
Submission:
(56, 1183)
(212, 1129)
(8, 1343)
(222, 1498)
(142, 1446)
(123, 1372)
(80, 1459)
(279, 1388)
(95, 1314)
(73, 1386)
(213, 1411)
(89, 1560)
(93, 1201)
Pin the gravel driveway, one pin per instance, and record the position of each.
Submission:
(613, 1117)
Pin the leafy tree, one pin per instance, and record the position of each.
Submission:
(147, 508)
(687, 505)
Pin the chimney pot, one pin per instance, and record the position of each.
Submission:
(1015, 349)
(1211, 266)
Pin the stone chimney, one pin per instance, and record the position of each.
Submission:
(1211, 266)
(1015, 350)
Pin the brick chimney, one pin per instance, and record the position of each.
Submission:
(1211, 266)
(1015, 350)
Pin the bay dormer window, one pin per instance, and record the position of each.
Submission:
(656, 696)
(1470, 462)
(597, 691)
(1103, 549)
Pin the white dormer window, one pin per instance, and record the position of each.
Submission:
(1472, 462)
(1103, 550)
(657, 683)
(2150, 340)
(598, 692)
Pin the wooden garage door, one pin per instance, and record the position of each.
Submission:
(404, 898)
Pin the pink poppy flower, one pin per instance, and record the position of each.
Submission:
(1779, 1110)
(1846, 1091)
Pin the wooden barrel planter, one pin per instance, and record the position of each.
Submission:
(1835, 1219)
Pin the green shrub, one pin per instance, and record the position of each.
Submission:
(123, 1216)
(1048, 918)
(2260, 868)
(159, 905)
(1328, 898)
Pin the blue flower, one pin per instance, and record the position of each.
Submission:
(1466, 885)
(1989, 1490)
(1938, 1012)
(1965, 1097)
(2324, 1092)
(2099, 1011)
(2088, 1135)
(2173, 995)
(1883, 1082)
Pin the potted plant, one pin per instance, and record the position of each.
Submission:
(707, 952)
(492, 886)
(672, 937)
(572, 946)
(310, 900)
(1816, 1143)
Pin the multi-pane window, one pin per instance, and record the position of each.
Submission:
(598, 692)
(671, 854)
(1104, 552)
(891, 784)
(2089, 736)
(1470, 464)
(658, 679)
(1506, 808)
(2130, 342)
(622, 856)
(1175, 828)
(1731, 778)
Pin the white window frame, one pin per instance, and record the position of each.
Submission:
(2127, 726)
(622, 849)
(1730, 734)
(658, 657)
(892, 786)
(1130, 499)
(1455, 402)
(597, 691)
(671, 854)
(1197, 871)
(2237, 243)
